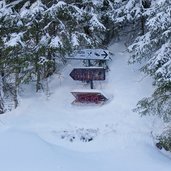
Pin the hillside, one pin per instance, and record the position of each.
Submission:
(51, 134)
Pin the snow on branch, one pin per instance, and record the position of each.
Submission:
(74, 40)
(15, 39)
(95, 23)
(37, 7)
(56, 42)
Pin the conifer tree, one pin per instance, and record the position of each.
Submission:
(11, 51)
(154, 49)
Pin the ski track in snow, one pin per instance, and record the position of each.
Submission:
(31, 135)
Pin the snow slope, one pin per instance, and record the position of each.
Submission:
(51, 134)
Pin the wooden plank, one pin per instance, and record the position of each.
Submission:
(88, 74)
(89, 97)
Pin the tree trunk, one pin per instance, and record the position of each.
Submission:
(142, 25)
(1, 100)
(37, 67)
(38, 84)
(15, 95)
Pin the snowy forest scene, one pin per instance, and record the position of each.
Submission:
(85, 85)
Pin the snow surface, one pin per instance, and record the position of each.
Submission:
(51, 134)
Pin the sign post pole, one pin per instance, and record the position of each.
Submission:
(91, 81)
(91, 84)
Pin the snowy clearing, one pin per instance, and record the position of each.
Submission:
(54, 135)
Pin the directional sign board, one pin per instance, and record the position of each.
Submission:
(91, 54)
(88, 97)
(88, 73)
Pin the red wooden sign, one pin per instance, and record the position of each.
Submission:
(88, 73)
(89, 96)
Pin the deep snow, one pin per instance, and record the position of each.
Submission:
(51, 134)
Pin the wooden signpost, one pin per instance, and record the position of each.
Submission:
(89, 74)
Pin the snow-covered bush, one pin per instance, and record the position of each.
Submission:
(80, 134)
(164, 140)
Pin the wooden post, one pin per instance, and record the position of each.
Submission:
(91, 81)
(91, 84)
(89, 63)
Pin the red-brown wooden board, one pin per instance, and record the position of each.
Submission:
(88, 74)
(89, 97)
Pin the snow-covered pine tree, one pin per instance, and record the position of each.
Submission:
(129, 17)
(32, 16)
(12, 49)
(154, 49)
